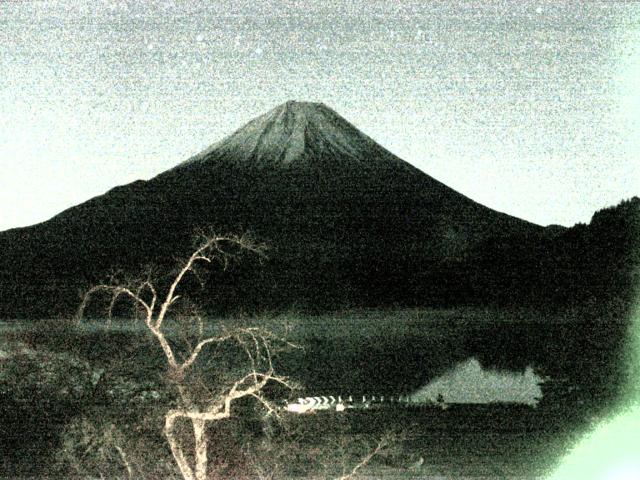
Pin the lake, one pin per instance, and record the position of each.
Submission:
(395, 352)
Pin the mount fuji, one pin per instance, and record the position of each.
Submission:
(347, 223)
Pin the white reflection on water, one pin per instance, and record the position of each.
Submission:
(468, 382)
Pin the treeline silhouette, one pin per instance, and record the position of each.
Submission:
(593, 265)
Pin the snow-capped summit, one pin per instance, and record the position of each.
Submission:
(300, 135)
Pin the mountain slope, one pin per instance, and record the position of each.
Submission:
(346, 221)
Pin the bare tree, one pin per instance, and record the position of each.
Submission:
(258, 344)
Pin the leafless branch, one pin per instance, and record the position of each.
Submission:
(198, 348)
(382, 443)
(125, 461)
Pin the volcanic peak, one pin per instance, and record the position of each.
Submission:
(298, 135)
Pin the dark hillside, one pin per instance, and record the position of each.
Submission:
(594, 266)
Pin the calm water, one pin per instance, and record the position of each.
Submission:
(378, 359)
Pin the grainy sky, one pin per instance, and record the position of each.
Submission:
(529, 107)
